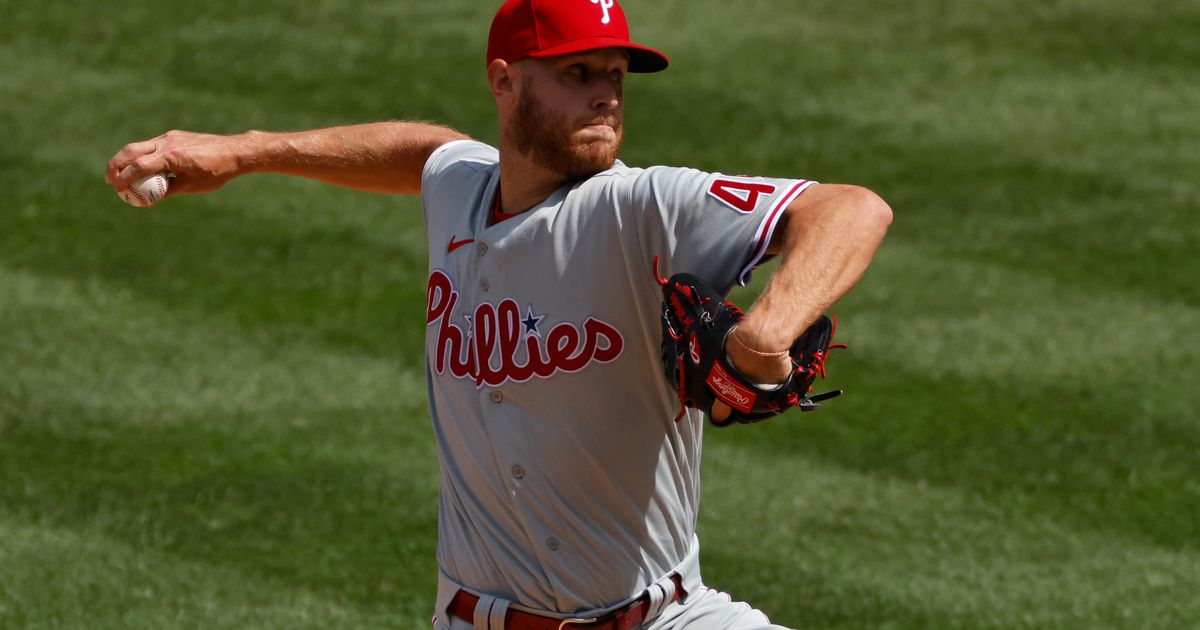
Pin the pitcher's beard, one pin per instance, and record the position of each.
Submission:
(546, 138)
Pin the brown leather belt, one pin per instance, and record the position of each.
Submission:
(627, 618)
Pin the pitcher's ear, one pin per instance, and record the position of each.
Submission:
(501, 78)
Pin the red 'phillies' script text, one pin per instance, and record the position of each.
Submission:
(488, 352)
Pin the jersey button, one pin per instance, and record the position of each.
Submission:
(484, 284)
(552, 543)
(496, 397)
(518, 472)
(481, 249)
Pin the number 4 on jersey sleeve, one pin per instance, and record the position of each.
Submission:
(740, 193)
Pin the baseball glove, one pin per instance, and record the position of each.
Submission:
(696, 321)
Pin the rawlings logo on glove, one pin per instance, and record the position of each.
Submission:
(727, 389)
(696, 322)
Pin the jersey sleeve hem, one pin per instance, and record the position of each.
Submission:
(766, 230)
(438, 154)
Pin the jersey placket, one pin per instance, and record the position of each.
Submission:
(515, 451)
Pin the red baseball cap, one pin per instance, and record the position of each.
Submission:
(546, 28)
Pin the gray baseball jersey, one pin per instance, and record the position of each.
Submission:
(567, 483)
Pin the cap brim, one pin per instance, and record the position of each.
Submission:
(641, 58)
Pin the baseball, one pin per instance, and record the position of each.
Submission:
(146, 191)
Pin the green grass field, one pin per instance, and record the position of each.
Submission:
(212, 412)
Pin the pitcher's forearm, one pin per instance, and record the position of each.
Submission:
(827, 248)
(386, 157)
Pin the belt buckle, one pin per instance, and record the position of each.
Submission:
(571, 622)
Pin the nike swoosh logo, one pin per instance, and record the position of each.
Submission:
(456, 244)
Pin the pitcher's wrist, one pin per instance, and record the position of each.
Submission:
(757, 365)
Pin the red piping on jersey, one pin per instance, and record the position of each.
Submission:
(497, 215)
(763, 239)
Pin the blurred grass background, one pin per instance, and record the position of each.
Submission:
(212, 412)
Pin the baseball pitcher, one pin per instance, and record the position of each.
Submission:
(576, 329)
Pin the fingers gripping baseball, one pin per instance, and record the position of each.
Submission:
(198, 162)
(124, 158)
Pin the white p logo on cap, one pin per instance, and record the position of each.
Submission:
(548, 28)
(605, 5)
